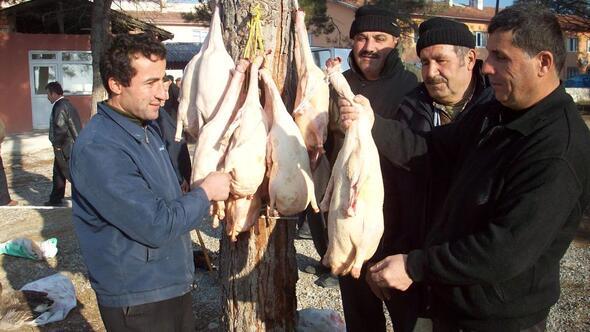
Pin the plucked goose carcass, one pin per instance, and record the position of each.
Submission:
(290, 184)
(211, 77)
(354, 196)
(312, 96)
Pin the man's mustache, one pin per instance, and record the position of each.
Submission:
(435, 80)
(369, 54)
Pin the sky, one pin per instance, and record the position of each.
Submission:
(492, 3)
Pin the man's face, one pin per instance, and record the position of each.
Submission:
(369, 51)
(52, 96)
(146, 90)
(445, 73)
(511, 71)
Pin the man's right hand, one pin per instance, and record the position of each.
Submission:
(216, 186)
(350, 113)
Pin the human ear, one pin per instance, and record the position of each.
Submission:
(545, 63)
(115, 86)
(471, 58)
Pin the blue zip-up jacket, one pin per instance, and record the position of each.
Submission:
(129, 214)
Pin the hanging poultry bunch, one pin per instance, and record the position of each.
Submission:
(261, 147)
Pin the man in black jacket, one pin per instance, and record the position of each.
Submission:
(518, 185)
(453, 86)
(377, 72)
(64, 126)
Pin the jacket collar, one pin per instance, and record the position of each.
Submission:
(133, 128)
(393, 64)
(545, 111)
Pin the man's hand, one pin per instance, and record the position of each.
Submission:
(185, 187)
(350, 113)
(391, 272)
(216, 186)
(382, 293)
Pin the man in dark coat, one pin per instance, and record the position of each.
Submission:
(4, 194)
(518, 184)
(171, 104)
(377, 72)
(453, 87)
(64, 126)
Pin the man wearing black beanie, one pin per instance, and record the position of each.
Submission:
(452, 87)
(377, 72)
(514, 173)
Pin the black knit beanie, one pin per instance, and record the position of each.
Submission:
(438, 30)
(372, 18)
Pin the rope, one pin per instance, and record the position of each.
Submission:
(255, 42)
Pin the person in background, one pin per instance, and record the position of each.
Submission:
(517, 186)
(178, 82)
(129, 213)
(171, 104)
(178, 151)
(64, 126)
(5, 199)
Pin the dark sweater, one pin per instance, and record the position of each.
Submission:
(517, 191)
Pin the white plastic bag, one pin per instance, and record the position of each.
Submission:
(61, 290)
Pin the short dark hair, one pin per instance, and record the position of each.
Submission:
(168, 78)
(534, 29)
(116, 60)
(54, 87)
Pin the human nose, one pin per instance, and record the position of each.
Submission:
(430, 70)
(487, 68)
(161, 92)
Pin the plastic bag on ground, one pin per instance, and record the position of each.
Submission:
(61, 290)
(27, 248)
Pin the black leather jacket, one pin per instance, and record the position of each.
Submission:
(64, 126)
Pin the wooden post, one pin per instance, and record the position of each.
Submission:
(259, 272)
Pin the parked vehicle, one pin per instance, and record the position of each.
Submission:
(321, 54)
(578, 81)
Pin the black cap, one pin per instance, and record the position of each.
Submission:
(373, 18)
(438, 30)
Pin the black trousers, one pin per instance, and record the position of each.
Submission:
(58, 189)
(173, 315)
(439, 325)
(363, 311)
(4, 194)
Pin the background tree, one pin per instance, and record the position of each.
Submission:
(100, 37)
(316, 19)
(575, 14)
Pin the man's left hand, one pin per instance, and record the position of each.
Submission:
(391, 272)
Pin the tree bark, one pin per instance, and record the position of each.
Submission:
(100, 37)
(259, 272)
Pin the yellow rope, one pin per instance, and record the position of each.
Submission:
(255, 42)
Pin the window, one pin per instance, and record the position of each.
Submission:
(572, 44)
(481, 39)
(73, 69)
(571, 71)
(43, 56)
(199, 35)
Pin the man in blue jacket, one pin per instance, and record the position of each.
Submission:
(130, 216)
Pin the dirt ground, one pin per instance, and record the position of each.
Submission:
(29, 179)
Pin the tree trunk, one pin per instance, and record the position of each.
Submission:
(259, 272)
(100, 37)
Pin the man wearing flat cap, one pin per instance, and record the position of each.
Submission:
(377, 72)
